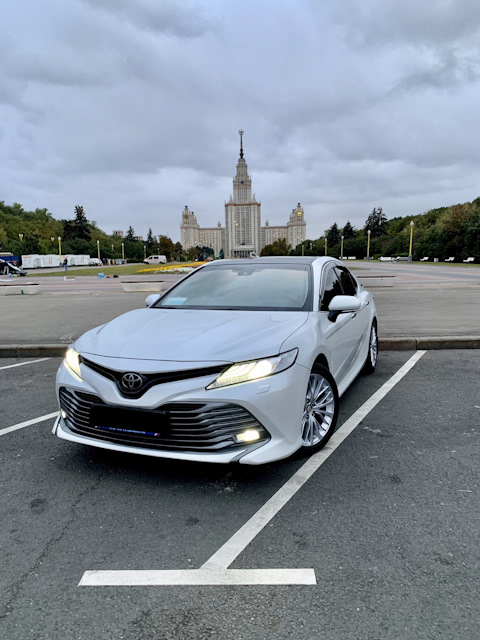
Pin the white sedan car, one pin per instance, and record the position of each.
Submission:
(240, 361)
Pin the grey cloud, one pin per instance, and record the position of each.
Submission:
(446, 71)
(376, 23)
(184, 20)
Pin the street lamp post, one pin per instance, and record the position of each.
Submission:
(410, 257)
(20, 235)
(60, 249)
(341, 250)
(123, 251)
(325, 245)
(144, 251)
(368, 244)
(98, 249)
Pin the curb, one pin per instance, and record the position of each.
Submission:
(384, 344)
(33, 350)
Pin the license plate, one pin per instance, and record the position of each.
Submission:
(133, 421)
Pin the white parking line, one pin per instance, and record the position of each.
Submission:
(215, 570)
(196, 577)
(21, 364)
(20, 425)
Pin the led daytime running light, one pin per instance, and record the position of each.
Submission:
(254, 369)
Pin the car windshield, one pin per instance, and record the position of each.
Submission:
(275, 287)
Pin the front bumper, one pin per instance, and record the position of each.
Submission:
(273, 405)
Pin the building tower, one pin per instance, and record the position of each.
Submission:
(242, 214)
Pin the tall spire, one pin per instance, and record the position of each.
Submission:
(240, 133)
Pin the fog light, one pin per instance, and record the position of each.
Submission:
(63, 413)
(250, 435)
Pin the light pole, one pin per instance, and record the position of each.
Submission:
(98, 249)
(60, 249)
(341, 250)
(368, 244)
(325, 245)
(144, 251)
(20, 235)
(410, 257)
(123, 251)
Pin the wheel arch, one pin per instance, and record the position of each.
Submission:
(322, 360)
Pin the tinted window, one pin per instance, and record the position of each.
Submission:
(348, 283)
(332, 288)
(250, 286)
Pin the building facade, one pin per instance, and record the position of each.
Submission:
(243, 232)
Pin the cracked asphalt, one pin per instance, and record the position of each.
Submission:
(390, 523)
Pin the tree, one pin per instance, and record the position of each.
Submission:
(68, 231)
(277, 248)
(178, 252)
(150, 240)
(377, 223)
(166, 247)
(82, 228)
(192, 253)
(348, 231)
(130, 237)
(333, 235)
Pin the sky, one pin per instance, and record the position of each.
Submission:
(132, 108)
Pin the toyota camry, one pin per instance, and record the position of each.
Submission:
(240, 361)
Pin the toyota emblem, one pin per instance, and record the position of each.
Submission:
(132, 381)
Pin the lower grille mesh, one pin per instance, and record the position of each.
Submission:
(195, 427)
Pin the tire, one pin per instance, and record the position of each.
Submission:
(320, 411)
(371, 361)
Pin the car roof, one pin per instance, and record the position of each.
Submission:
(320, 260)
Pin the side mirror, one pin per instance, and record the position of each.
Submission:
(149, 300)
(342, 304)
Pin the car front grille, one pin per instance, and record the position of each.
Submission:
(195, 427)
(151, 379)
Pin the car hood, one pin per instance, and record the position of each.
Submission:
(185, 335)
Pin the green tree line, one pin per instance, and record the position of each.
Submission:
(439, 233)
(30, 232)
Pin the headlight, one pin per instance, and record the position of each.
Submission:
(254, 369)
(72, 360)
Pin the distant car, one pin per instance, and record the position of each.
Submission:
(240, 361)
(94, 262)
(7, 268)
(156, 260)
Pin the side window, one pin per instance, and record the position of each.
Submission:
(348, 282)
(332, 288)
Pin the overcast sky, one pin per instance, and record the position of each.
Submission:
(132, 108)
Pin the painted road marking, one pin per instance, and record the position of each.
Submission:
(20, 425)
(215, 570)
(197, 577)
(21, 364)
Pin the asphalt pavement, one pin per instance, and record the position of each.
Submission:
(427, 307)
(389, 523)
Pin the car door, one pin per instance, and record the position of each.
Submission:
(361, 320)
(343, 337)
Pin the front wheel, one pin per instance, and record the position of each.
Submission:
(320, 412)
(371, 361)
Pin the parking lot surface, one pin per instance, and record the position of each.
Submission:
(388, 523)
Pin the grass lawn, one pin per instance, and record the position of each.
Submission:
(120, 270)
